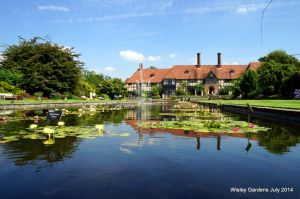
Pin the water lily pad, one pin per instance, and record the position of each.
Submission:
(59, 135)
(86, 136)
(11, 138)
(124, 135)
(33, 136)
(3, 141)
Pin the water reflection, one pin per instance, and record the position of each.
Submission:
(278, 140)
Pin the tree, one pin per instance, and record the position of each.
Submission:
(277, 67)
(114, 88)
(7, 88)
(10, 77)
(182, 88)
(93, 78)
(156, 91)
(225, 90)
(248, 84)
(45, 66)
(272, 76)
(290, 85)
(199, 88)
(280, 56)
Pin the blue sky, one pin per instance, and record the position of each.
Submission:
(113, 35)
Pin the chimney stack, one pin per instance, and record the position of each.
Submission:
(140, 66)
(219, 60)
(198, 60)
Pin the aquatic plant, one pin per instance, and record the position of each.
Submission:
(213, 126)
(60, 123)
(49, 141)
(48, 130)
(33, 126)
(124, 134)
(99, 127)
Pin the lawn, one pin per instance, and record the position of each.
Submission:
(290, 104)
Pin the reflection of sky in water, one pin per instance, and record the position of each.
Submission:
(146, 165)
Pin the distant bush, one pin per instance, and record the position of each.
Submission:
(225, 90)
(56, 95)
(38, 94)
(104, 96)
(156, 97)
(7, 88)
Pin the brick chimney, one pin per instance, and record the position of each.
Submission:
(198, 60)
(140, 66)
(219, 60)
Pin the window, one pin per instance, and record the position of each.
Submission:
(152, 75)
(186, 72)
(169, 82)
(211, 79)
(173, 81)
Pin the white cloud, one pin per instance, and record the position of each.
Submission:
(153, 58)
(173, 55)
(110, 69)
(53, 8)
(237, 8)
(166, 4)
(130, 55)
(244, 9)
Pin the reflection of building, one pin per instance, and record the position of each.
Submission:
(213, 77)
(184, 133)
(139, 113)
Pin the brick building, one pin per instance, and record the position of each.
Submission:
(213, 77)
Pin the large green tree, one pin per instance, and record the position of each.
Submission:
(248, 84)
(114, 88)
(45, 66)
(277, 68)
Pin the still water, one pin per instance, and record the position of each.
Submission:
(147, 163)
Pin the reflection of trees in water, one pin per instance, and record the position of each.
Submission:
(278, 139)
(93, 118)
(26, 151)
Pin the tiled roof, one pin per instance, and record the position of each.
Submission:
(191, 72)
(147, 76)
(224, 72)
(254, 65)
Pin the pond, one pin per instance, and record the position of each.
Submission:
(108, 154)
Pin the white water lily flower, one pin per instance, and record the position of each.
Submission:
(48, 130)
(99, 126)
(61, 123)
(33, 126)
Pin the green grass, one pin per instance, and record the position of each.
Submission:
(3, 102)
(290, 104)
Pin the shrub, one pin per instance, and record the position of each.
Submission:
(156, 97)
(56, 95)
(38, 94)
(225, 90)
(7, 88)
(104, 96)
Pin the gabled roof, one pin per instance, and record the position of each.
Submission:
(223, 72)
(254, 65)
(191, 72)
(147, 76)
(182, 72)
